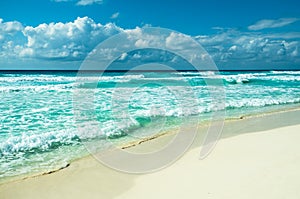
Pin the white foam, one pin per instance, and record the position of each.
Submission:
(27, 142)
(286, 72)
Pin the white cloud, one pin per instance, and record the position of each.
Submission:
(88, 2)
(10, 27)
(71, 40)
(246, 48)
(82, 2)
(178, 41)
(287, 35)
(61, 0)
(143, 39)
(25, 52)
(269, 23)
(9, 37)
(115, 15)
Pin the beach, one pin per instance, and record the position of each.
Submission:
(257, 157)
(48, 118)
(149, 100)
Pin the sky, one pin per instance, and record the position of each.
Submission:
(238, 35)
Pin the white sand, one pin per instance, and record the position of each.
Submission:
(260, 165)
(264, 164)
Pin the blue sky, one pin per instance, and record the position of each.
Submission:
(248, 34)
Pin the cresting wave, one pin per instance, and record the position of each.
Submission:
(36, 142)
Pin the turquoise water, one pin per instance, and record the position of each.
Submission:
(39, 131)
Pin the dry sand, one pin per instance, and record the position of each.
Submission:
(257, 158)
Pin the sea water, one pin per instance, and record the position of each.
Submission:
(39, 130)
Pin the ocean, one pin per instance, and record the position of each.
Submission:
(39, 130)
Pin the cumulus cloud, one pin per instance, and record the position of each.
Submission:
(143, 39)
(10, 27)
(178, 41)
(82, 2)
(10, 33)
(269, 23)
(244, 48)
(88, 2)
(115, 15)
(72, 41)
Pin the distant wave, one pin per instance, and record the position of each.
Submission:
(52, 78)
(286, 72)
(38, 88)
(247, 78)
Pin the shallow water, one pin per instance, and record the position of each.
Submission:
(39, 111)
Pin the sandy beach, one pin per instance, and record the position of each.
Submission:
(257, 157)
(103, 99)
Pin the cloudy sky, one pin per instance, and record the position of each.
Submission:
(58, 34)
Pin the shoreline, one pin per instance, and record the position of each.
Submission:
(260, 146)
(165, 134)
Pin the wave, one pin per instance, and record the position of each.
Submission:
(36, 79)
(260, 103)
(237, 80)
(36, 142)
(118, 127)
(248, 78)
(108, 81)
(27, 144)
(286, 72)
(39, 88)
(282, 78)
(59, 79)
(119, 78)
(197, 73)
